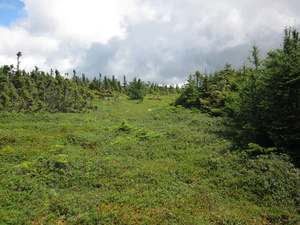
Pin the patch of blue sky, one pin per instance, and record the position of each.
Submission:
(10, 11)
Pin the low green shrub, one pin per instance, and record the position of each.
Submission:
(164, 166)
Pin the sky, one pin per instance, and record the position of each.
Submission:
(161, 41)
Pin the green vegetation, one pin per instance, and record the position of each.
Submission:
(75, 151)
(261, 102)
(145, 163)
(37, 91)
(137, 89)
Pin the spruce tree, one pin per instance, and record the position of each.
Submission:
(137, 89)
(282, 93)
(189, 98)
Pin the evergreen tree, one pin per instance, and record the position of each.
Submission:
(190, 96)
(137, 89)
(282, 93)
(19, 54)
(115, 84)
(30, 92)
(207, 93)
(264, 103)
(95, 84)
(199, 78)
(124, 82)
(243, 104)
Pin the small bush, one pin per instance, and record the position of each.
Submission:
(144, 134)
(124, 127)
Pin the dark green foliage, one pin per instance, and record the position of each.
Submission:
(156, 89)
(137, 89)
(111, 87)
(243, 104)
(36, 91)
(264, 107)
(256, 149)
(282, 93)
(261, 102)
(207, 92)
(189, 98)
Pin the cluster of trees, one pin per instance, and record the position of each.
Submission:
(207, 92)
(262, 101)
(31, 92)
(136, 89)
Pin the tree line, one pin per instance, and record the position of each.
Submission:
(135, 89)
(37, 90)
(31, 92)
(261, 102)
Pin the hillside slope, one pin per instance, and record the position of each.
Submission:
(133, 162)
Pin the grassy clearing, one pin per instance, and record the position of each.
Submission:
(133, 162)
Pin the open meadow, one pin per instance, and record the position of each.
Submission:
(137, 162)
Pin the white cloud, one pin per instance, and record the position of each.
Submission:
(35, 48)
(80, 22)
(158, 40)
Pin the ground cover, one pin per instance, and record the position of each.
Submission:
(137, 162)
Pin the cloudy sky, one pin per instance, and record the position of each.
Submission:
(161, 41)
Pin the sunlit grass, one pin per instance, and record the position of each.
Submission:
(137, 162)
